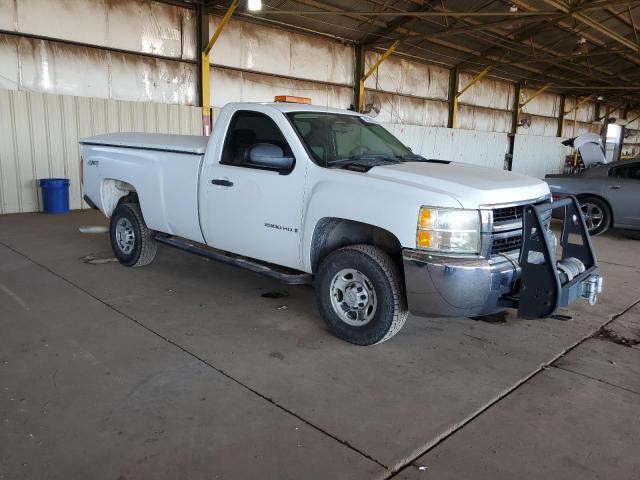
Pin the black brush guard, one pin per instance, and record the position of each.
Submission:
(543, 287)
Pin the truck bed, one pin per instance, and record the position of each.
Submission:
(162, 169)
(193, 144)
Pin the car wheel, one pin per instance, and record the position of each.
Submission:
(597, 214)
(131, 240)
(360, 295)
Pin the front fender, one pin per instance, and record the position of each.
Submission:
(386, 205)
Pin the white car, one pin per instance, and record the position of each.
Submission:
(310, 194)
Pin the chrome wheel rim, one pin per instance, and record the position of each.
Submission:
(125, 236)
(593, 215)
(353, 297)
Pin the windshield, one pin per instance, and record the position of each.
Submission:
(335, 139)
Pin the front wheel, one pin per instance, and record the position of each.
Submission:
(360, 295)
(131, 240)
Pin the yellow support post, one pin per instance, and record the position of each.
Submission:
(469, 85)
(206, 94)
(521, 105)
(382, 58)
(536, 93)
(223, 23)
(575, 107)
(206, 74)
(575, 124)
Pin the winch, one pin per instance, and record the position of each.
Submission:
(547, 284)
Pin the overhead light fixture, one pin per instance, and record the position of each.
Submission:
(515, 24)
(254, 5)
(582, 48)
(599, 98)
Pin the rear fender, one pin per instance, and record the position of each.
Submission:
(111, 191)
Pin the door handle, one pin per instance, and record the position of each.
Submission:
(615, 187)
(223, 182)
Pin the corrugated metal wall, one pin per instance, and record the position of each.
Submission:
(240, 86)
(145, 51)
(160, 37)
(142, 26)
(543, 110)
(409, 93)
(486, 149)
(486, 105)
(537, 156)
(585, 117)
(254, 63)
(39, 136)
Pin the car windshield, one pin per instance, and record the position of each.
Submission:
(337, 139)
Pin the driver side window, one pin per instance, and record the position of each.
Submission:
(247, 129)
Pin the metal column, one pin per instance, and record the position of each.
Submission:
(206, 69)
(373, 68)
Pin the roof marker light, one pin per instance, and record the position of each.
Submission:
(292, 99)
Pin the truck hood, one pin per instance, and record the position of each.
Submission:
(471, 185)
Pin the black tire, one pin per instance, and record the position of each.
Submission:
(386, 281)
(142, 246)
(596, 203)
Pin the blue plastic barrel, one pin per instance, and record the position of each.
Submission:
(55, 195)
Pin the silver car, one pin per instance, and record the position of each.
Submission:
(609, 194)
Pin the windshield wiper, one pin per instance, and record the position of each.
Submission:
(412, 157)
(419, 158)
(367, 157)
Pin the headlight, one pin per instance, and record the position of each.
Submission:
(448, 230)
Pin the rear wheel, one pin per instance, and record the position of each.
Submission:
(360, 295)
(597, 214)
(131, 240)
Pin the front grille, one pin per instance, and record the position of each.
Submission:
(508, 244)
(507, 214)
(507, 228)
(507, 218)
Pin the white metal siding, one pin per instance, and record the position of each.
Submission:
(270, 50)
(486, 149)
(141, 26)
(39, 136)
(54, 67)
(237, 86)
(405, 77)
(537, 156)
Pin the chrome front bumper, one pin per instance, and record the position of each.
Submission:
(449, 286)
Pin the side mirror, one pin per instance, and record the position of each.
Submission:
(269, 156)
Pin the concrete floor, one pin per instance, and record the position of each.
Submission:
(182, 369)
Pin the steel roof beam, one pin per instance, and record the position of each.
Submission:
(568, 28)
(590, 22)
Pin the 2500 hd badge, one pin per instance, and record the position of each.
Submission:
(280, 227)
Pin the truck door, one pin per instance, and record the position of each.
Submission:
(250, 210)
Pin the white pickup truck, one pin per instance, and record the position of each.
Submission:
(310, 194)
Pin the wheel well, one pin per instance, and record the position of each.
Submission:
(131, 197)
(585, 195)
(333, 233)
(114, 192)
